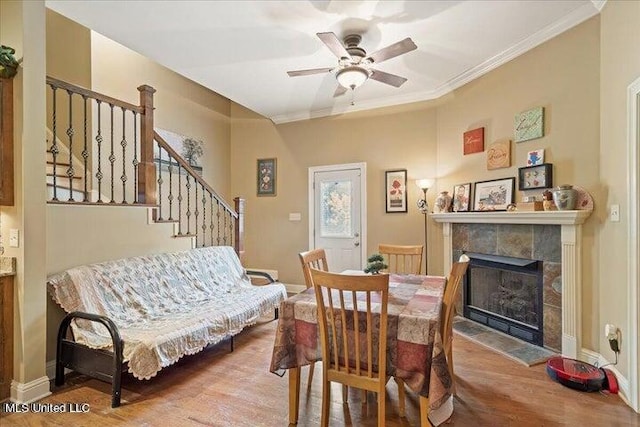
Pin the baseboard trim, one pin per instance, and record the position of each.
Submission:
(294, 289)
(31, 391)
(597, 359)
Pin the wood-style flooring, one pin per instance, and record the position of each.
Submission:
(219, 388)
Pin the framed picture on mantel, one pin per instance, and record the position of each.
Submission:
(494, 195)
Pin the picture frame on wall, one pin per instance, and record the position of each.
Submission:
(529, 125)
(533, 177)
(461, 201)
(267, 174)
(493, 195)
(396, 190)
(473, 141)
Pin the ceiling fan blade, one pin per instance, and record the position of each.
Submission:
(334, 44)
(340, 90)
(390, 79)
(393, 50)
(309, 72)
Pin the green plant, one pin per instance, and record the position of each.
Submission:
(375, 263)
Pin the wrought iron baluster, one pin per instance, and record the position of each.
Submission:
(211, 220)
(112, 158)
(70, 133)
(204, 216)
(218, 215)
(232, 228)
(160, 181)
(54, 144)
(196, 212)
(170, 198)
(99, 140)
(123, 143)
(135, 157)
(188, 213)
(224, 236)
(85, 152)
(179, 199)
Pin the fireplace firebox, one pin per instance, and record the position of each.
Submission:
(505, 293)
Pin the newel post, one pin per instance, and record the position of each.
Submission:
(239, 228)
(146, 168)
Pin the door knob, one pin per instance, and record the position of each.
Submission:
(356, 234)
(356, 244)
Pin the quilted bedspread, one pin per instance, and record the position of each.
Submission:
(165, 305)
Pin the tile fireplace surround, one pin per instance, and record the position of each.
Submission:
(529, 240)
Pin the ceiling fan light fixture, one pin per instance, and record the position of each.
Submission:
(352, 77)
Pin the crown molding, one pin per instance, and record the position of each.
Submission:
(577, 16)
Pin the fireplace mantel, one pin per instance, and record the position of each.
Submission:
(571, 241)
(537, 217)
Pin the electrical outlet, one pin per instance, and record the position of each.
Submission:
(612, 333)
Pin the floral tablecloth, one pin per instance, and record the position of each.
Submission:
(414, 343)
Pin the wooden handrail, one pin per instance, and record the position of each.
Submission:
(95, 95)
(196, 176)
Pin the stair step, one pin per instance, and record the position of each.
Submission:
(184, 235)
(104, 203)
(166, 221)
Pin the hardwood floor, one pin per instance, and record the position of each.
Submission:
(218, 388)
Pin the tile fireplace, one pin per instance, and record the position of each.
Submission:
(551, 237)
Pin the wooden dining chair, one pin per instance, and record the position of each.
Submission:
(448, 308)
(353, 359)
(316, 258)
(402, 259)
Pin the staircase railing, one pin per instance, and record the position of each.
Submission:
(125, 162)
(186, 199)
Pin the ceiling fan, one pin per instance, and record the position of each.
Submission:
(354, 65)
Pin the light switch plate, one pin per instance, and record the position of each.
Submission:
(614, 214)
(14, 238)
(295, 216)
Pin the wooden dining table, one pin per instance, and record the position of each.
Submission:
(414, 343)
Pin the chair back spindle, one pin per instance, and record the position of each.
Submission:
(402, 259)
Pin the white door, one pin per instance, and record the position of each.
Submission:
(337, 214)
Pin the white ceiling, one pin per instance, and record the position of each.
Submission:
(243, 49)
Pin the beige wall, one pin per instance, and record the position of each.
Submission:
(620, 66)
(181, 105)
(562, 75)
(396, 138)
(68, 59)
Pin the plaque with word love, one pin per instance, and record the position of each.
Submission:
(499, 154)
(529, 125)
(473, 141)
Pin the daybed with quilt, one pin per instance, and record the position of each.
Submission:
(144, 313)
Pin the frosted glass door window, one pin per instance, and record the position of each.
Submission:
(335, 209)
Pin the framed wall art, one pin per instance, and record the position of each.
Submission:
(493, 195)
(396, 190)
(529, 125)
(267, 173)
(535, 157)
(461, 197)
(531, 177)
(473, 141)
(499, 154)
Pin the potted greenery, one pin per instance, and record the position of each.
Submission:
(375, 264)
